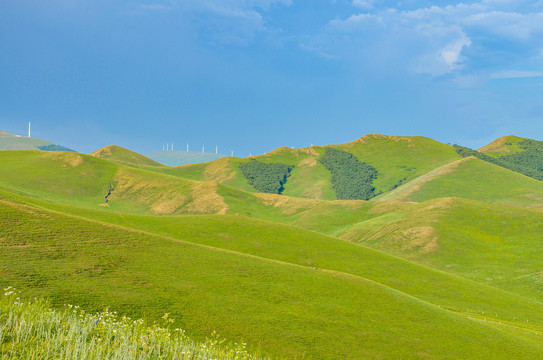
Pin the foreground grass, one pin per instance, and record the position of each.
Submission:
(32, 330)
(287, 310)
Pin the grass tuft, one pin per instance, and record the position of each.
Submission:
(33, 330)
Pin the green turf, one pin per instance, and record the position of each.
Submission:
(493, 244)
(288, 310)
(474, 179)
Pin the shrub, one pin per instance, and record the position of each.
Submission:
(266, 177)
(351, 178)
(527, 162)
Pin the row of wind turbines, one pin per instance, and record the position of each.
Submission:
(169, 147)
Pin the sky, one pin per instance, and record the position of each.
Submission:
(252, 75)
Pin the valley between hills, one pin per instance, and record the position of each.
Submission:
(387, 247)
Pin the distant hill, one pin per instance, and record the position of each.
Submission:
(521, 155)
(504, 145)
(472, 178)
(118, 153)
(15, 142)
(397, 160)
(176, 158)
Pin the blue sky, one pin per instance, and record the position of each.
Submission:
(253, 75)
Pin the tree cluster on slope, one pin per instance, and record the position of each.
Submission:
(526, 164)
(351, 179)
(531, 157)
(266, 177)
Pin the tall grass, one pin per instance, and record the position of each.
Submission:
(33, 330)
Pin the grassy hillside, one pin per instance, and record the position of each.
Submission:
(287, 309)
(506, 145)
(396, 159)
(524, 153)
(120, 154)
(471, 178)
(291, 291)
(84, 181)
(72, 333)
(15, 142)
(268, 240)
(493, 244)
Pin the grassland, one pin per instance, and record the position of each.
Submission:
(286, 309)
(123, 155)
(492, 244)
(471, 178)
(446, 265)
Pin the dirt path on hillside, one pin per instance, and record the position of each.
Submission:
(403, 192)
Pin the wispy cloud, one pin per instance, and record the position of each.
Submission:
(224, 21)
(437, 40)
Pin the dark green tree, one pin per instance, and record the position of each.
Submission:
(266, 177)
(351, 179)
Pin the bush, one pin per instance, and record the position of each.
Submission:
(527, 162)
(266, 177)
(351, 178)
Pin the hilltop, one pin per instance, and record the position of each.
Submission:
(395, 159)
(16, 142)
(118, 153)
(504, 145)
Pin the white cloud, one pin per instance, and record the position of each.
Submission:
(225, 21)
(442, 60)
(437, 40)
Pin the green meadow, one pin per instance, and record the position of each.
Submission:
(443, 264)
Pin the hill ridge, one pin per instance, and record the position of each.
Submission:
(118, 153)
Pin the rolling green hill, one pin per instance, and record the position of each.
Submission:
(471, 178)
(504, 145)
(396, 159)
(120, 154)
(286, 309)
(449, 240)
(493, 244)
(15, 142)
